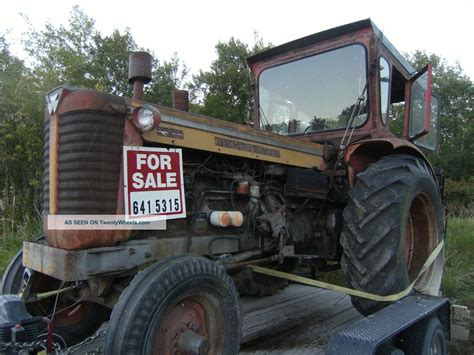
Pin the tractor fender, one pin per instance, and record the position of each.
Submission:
(360, 155)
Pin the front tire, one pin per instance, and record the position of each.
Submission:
(180, 302)
(392, 223)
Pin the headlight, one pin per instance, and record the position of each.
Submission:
(145, 119)
(53, 98)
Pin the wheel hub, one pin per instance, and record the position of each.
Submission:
(183, 331)
(192, 343)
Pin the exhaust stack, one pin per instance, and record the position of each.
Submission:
(139, 72)
(181, 100)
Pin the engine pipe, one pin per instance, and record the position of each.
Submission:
(139, 72)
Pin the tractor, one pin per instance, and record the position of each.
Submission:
(316, 180)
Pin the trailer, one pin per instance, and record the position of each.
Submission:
(309, 320)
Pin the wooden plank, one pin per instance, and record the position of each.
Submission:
(285, 315)
(460, 322)
(298, 320)
(294, 292)
(310, 336)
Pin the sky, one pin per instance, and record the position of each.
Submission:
(192, 28)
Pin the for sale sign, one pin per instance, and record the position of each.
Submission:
(153, 183)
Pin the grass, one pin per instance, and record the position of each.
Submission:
(11, 242)
(458, 279)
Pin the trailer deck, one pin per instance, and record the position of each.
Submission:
(299, 319)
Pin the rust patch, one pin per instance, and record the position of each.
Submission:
(252, 148)
(170, 132)
(186, 315)
(53, 163)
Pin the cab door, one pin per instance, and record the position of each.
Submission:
(422, 120)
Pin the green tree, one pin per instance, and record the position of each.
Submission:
(225, 90)
(78, 55)
(75, 54)
(20, 137)
(167, 76)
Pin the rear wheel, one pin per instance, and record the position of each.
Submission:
(181, 305)
(392, 223)
(13, 275)
(73, 320)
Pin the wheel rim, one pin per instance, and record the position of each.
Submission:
(409, 247)
(436, 345)
(421, 237)
(193, 325)
(68, 310)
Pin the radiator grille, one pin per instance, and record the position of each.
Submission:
(90, 152)
(46, 169)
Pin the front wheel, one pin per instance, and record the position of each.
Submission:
(181, 305)
(392, 223)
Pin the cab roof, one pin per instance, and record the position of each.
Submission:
(330, 34)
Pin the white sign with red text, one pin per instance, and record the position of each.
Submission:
(153, 183)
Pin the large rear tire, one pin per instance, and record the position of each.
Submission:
(181, 302)
(392, 223)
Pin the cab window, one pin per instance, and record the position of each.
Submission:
(314, 94)
(384, 87)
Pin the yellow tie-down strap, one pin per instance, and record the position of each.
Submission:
(350, 291)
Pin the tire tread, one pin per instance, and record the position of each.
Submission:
(372, 227)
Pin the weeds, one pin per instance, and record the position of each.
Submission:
(11, 241)
(458, 280)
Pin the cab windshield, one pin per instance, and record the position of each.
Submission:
(314, 94)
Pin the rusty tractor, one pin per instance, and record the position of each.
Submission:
(318, 180)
